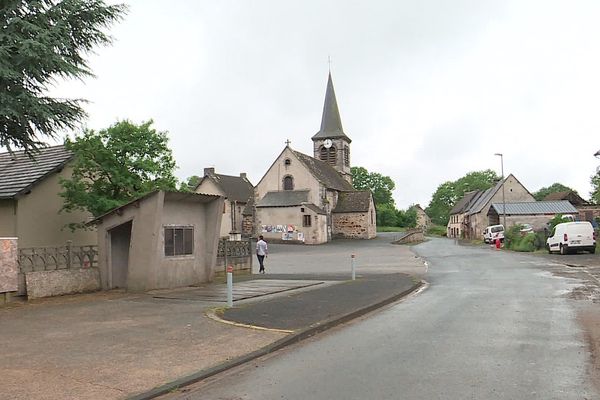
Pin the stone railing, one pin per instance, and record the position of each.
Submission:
(35, 259)
(237, 253)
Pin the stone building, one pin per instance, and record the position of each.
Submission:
(423, 220)
(311, 199)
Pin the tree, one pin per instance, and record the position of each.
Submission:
(408, 218)
(190, 183)
(387, 215)
(42, 41)
(554, 188)
(448, 193)
(116, 165)
(595, 193)
(381, 186)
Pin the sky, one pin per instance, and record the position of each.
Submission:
(428, 90)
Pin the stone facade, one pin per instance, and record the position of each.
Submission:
(353, 226)
(9, 268)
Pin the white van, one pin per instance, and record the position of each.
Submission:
(571, 237)
(493, 232)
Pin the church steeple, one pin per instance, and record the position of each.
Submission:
(331, 144)
(331, 123)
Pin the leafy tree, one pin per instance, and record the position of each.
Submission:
(387, 215)
(448, 193)
(554, 188)
(595, 193)
(408, 218)
(116, 165)
(190, 184)
(42, 41)
(380, 185)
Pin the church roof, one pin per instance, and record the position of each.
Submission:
(324, 173)
(331, 123)
(285, 198)
(356, 201)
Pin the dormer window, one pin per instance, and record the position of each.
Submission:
(288, 183)
(287, 162)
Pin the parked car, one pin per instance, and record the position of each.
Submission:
(571, 237)
(493, 232)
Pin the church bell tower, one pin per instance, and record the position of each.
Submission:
(331, 144)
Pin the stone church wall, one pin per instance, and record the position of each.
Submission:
(353, 226)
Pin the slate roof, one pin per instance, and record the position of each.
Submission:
(19, 173)
(331, 123)
(236, 188)
(285, 198)
(463, 203)
(570, 195)
(314, 208)
(535, 207)
(324, 173)
(356, 201)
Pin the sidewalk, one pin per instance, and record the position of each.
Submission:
(116, 345)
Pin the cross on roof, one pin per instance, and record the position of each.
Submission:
(288, 142)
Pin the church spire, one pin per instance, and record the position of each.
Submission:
(331, 123)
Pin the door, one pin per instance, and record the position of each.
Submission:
(120, 241)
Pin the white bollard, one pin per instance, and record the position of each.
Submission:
(353, 266)
(230, 286)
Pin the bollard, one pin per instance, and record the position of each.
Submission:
(230, 286)
(353, 266)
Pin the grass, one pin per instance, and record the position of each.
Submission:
(390, 229)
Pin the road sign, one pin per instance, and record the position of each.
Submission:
(230, 268)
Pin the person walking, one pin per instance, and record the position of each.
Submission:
(262, 251)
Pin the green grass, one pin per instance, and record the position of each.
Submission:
(390, 229)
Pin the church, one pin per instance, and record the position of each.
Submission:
(311, 199)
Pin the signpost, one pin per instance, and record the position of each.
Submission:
(353, 266)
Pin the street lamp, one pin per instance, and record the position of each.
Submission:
(503, 198)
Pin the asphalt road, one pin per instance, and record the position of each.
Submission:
(492, 325)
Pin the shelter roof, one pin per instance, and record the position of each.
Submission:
(19, 173)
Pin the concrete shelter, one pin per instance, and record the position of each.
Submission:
(162, 240)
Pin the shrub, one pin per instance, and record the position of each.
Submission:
(514, 240)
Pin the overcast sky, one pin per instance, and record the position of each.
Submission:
(428, 90)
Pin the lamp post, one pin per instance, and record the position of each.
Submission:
(503, 198)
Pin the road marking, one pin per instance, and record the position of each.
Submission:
(212, 315)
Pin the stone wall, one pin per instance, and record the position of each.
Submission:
(8, 265)
(352, 225)
(60, 282)
(412, 236)
(247, 225)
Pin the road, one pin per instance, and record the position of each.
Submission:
(491, 325)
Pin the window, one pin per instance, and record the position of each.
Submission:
(287, 162)
(328, 155)
(306, 220)
(346, 156)
(179, 240)
(288, 183)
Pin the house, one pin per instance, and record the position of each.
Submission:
(537, 213)
(456, 222)
(161, 240)
(237, 191)
(311, 199)
(586, 211)
(30, 204)
(423, 220)
(470, 214)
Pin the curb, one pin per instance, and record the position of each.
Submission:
(277, 345)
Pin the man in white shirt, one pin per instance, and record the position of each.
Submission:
(262, 251)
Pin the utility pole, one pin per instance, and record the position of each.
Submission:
(503, 198)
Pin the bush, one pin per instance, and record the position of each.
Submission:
(437, 230)
(514, 240)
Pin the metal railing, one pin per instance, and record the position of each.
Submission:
(53, 258)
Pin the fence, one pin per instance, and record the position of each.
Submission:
(237, 253)
(37, 259)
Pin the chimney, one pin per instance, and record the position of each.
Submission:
(209, 171)
(243, 175)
